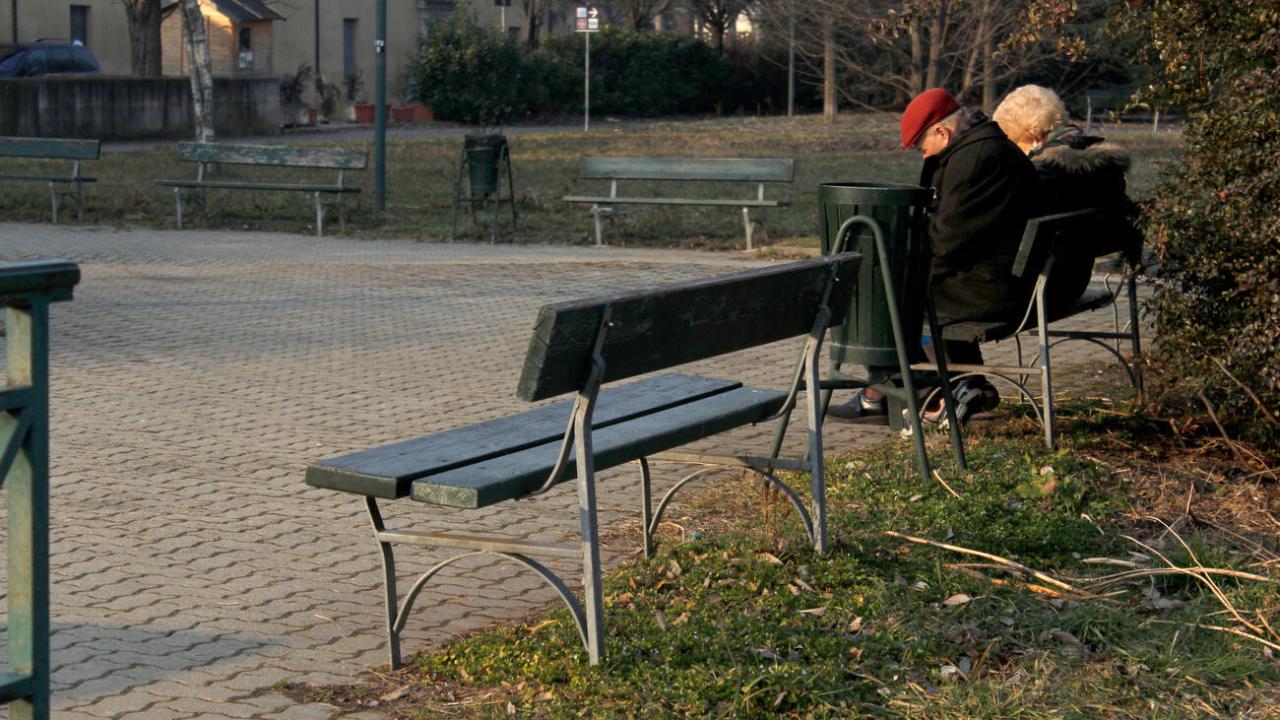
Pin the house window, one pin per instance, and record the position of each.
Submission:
(80, 24)
(348, 47)
(245, 57)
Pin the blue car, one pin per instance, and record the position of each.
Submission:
(49, 58)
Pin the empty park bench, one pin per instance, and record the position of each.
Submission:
(686, 170)
(1041, 239)
(278, 156)
(576, 347)
(69, 184)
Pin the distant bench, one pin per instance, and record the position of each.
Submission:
(280, 156)
(577, 346)
(54, 149)
(682, 169)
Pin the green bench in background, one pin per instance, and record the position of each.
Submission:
(76, 151)
(682, 169)
(576, 347)
(278, 156)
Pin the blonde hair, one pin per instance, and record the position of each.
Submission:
(1030, 113)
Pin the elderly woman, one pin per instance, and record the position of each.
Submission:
(1077, 171)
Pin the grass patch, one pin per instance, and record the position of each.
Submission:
(419, 181)
(745, 621)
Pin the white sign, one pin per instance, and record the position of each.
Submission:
(588, 19)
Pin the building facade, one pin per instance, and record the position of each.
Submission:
(272, 38)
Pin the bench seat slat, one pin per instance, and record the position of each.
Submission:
(50, 148)
(676, 201)
(518, 474)
(235, 185)
(48, 178)
(387, 471)
(986, 331)
(689, 168)
(280, 155)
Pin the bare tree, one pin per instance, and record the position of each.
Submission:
(536, 13)
(201, 70)
(718, 16)
(889, 50)
(144, 36)
(639, 13)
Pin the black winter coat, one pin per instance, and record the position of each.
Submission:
(1079, 171)
(984, 189)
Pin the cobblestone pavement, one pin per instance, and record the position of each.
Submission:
(195, 375)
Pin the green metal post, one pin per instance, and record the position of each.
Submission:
(26, 290)
(791, 60)
(380, 113)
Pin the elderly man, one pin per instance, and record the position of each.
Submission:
(984, 192)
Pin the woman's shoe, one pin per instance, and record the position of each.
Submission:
(859, 407)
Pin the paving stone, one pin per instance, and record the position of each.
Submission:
(197, 373)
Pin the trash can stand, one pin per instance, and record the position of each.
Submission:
(483, 161)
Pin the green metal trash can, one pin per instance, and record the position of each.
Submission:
(484, 156)
(866, 337)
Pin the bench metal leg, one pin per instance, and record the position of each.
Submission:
(599, 224)
(817, 481)
(940, 360)
(342, 212)
(1046, 382)
(646, 506)
(53, 198)
(592, 595)
(319, 216)
(746, 221)
(1135, 341)
(388, 583)
(177, 201)
(80, 201)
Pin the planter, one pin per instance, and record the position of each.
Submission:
(313, 115)
(364, 113)
(422, 113)
(402, 114)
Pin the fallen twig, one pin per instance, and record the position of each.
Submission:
(1220, 628)
(1214, 416)
(994, 558)
(938, 476)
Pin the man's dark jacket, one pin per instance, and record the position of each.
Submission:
(985, 190)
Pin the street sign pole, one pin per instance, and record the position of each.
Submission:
(380, 112)
(791, 61)
(586, 83)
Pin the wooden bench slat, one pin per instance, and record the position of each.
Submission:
(518, 474)
(236, 185)
(682, 322)
(687, 168)
(280, 155)
(986, 331)
(387, 471)
(50, 148)
(49, 178)
(677, 201)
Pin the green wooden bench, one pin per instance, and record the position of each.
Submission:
(1041, 239)
(576, 347)
(27, 289)
(76, 151)
(682, 169)
(279, 156)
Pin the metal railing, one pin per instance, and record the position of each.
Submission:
(26, 291)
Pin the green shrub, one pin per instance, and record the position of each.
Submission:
(1215, 221)
(470, 74)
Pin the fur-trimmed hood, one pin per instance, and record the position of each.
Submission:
(1098, 157)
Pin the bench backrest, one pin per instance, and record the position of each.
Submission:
(50, 148)
(1041, 236)
(679, 323)
(280, 155)
(687, 168)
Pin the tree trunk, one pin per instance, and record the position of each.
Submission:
(988, 74)
(829, 72)
(201, 70)
(144, 37)
(917, 57)
(533, 12)
(937, 41)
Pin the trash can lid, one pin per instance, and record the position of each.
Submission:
(873, 193)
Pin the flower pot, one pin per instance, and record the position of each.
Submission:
(313, 115)
(364, 113)
(422, 113)
(402, 114)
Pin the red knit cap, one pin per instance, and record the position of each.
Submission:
(926, 109)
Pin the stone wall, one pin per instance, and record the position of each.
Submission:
(111, 108)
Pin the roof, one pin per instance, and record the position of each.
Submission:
(246, 10)
(237, 10)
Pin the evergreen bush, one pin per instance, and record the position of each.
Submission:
(1215, 221)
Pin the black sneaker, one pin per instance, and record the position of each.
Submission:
(859, 407)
